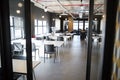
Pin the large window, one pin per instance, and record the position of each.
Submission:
(57, 24)
(40, 26)
(80, 26)
(86, 24)
(75, 25)
(16, 26)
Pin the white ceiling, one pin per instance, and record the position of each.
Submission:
(72, 7)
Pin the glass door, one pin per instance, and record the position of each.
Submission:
(20, 39)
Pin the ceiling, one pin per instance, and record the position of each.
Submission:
(75, 8)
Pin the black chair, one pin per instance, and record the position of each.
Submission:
(99, 39)
(60, 38)
(34, 49)
(47, 38)
(17, 48)
(49, 49)
(16, 76)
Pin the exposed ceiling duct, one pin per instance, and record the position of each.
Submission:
(65, 9)
(71, 7)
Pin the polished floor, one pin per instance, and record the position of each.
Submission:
(72, 63)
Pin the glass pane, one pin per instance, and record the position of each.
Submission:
(86, 24)
(75, 25)
(39, 23)
(11, 20)
(36, 30)
(44, 23)
(35, 22)
(40, 30)
(57, 24)
(81, 25)
(18, 41)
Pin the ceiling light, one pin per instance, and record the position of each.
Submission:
(103, 16)
(95, 18)
(18, 11)
(45, 9)
(60, 16)
(43, 16)
(80, 15)
(20, 4)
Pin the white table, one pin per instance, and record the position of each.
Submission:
(20, 66)
(55, 37)
(55, 43)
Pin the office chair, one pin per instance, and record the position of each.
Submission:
(17, 49)
(49, 49)
(60, 38)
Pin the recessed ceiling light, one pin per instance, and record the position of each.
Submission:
(43, 16)
(18, 11)
(20, 4)
(45, 9)
(60, 16)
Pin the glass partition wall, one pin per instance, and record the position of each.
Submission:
(20, 39)
(0, 58)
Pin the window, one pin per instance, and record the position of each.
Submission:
(57, 24)
(75, 25)
(40, 27)
(16, 26)
(81, 25)
(86, 24)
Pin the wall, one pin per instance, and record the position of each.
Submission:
(116, 53)
(70, 24)
(110, 22)
(37, 13)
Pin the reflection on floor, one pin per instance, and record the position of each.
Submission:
(72, 65)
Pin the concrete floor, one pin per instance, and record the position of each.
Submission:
(72, 64)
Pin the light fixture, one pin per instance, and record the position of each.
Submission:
(95, 18)
(60, 16)
(64, 13)
(103, 16)
(66, 19)
(20, 4)
(45, 9)
(18, 11)
(80, 15)
(43, 16)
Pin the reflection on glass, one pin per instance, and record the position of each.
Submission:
(40, 27)
(18, 41)
(57, 24)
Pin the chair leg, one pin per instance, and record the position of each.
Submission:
(54, 57)
(44, 57)
(34, 75)
(35, 54)
(38, 53)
